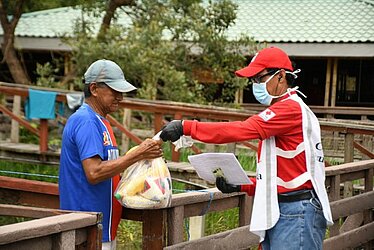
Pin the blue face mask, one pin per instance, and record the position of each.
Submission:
(260, 92)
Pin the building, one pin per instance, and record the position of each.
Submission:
(332, 41)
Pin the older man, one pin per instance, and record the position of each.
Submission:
(90, 163)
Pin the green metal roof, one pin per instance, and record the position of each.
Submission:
(305, 20)
(321, 21)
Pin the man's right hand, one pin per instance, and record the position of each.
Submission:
(225, 187)
(172, 131)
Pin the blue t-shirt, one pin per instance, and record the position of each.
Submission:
(86, 135)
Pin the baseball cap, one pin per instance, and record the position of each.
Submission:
(108, 72)
(271, 57)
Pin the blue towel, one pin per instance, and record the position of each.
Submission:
(40, 105)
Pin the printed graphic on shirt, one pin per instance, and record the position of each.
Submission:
(106, 139)
(113, 154)
(267, 114)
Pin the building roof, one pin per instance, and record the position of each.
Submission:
(305, 20)
(311, 22)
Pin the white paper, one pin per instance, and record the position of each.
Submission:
(206, 163)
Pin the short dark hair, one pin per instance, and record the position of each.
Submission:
(289, 77)
(86, 88)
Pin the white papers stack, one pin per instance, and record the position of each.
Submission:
(207, 163)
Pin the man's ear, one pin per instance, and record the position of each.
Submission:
(281, 75)
(93, 88)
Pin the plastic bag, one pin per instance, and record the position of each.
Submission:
(145, 185)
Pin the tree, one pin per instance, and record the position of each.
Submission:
(9, 52)
(168, 44)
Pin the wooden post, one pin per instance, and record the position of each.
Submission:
(43, 143)
(175, 155)
(334, 82)
(14, 131)
(64, 240)
(231, 148)
(158, 124)
(368, 214)
(175, 225)
(153, 229)
(348, 157)
(126, 122)
(245, 210)
(328, 82)
(333, 196)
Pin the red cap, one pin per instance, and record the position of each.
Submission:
(267, 58)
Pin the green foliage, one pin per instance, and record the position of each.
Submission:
(166, 43)
(129, 235)
(48, 74)
(25, 136)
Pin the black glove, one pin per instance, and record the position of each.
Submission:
(172, 131)
(226, 188)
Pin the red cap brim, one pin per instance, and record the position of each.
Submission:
(249, 71)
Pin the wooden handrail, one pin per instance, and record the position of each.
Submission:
(190, 111)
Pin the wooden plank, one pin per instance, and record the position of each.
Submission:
(363, 150)
(201, 208)
(351, 222)
(26, 198)
(29, 185)
(41, 243)
(29, 212)
(124, 130)
(352, 176)
(350, 239)
(19, 120)
(239, 238)
(352, 205)
(45, 226)
(201, 196)
(349, 167)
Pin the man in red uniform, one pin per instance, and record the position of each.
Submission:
(291, 208)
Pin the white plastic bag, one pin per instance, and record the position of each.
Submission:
(145, 185)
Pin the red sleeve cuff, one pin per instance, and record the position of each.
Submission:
(249, 188)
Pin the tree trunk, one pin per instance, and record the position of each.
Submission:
(9, 52)
(18, 73)
(14, 64)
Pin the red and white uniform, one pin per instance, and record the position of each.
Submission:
(283, 120)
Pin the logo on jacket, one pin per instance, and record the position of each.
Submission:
(267, 114)
(106, 139)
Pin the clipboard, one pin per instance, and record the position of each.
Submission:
(210, 165)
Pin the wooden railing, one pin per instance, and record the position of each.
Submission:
(353, 216)
(50, 229)
(363, 112)
(162, 110)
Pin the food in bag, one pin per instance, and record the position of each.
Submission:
(145, 185)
